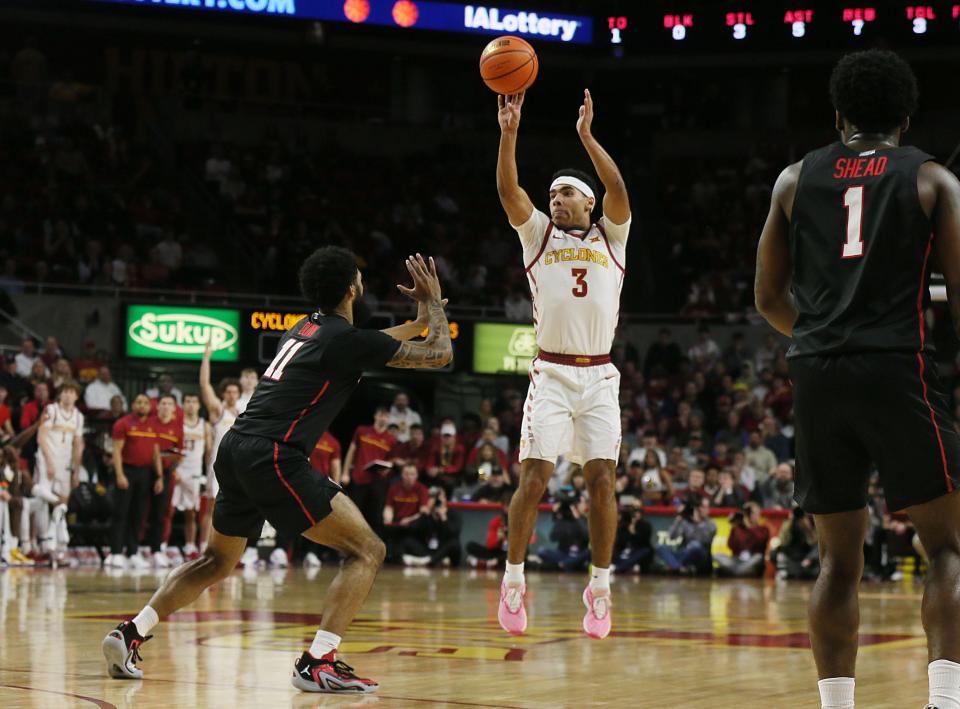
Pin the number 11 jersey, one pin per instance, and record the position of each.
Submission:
(575, 279)
(861, 244)
(318, 365)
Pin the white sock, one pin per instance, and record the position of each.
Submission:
(324, 643)
(944, 684)
(514, 573)
(600, 578)
(146, 620)
(836, 693)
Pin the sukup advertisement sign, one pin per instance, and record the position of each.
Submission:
(181, 332)
(503, 348)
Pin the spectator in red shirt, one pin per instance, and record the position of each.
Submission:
(6, 426)
(489, 437)
(363, 473)
(406, 500)
(325, 457)
(447, 458)
(168, 448)
(87, 365)
(495, 548)
(748, 544)
(416, 450)
(780, 398)
(137, 463)
(30, 412)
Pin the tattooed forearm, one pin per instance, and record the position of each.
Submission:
(434, 352)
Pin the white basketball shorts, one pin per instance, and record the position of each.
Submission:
(186, 493)
(571, 411)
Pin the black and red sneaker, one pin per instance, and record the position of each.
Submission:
(328, 674)
(121, 649)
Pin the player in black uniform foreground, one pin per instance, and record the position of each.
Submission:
(842, 268)
(264, 470)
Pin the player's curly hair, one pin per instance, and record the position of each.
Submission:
(875, 90)
(579, 174)
(326, 276)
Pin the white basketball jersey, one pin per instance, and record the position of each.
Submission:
(575, 279)
(62, 429)
(194, 443)
(220, 428)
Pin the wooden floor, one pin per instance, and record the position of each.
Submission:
(431, 639)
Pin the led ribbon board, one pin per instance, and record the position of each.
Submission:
(482, 19)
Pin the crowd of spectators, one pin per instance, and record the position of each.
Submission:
(94, 194)
(706, 431)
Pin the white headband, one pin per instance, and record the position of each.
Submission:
(572, 182)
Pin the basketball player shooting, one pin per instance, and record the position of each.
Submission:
(843, 266)
(575, 270)
(264, 470)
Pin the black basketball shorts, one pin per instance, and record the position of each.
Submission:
(261, 479)
(872, 410)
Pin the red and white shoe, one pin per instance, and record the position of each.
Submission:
(511, 613)
(121, 650)
(597, 621)
(330, 675)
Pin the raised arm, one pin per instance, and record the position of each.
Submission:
(415, 328)
(616, 202)
(207, 444)
(774, 263)
(515, 201)
(436, 351)
(207, 394)
(945, 216)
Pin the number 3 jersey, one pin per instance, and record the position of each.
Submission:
(575, 280)
(318, 365)
(861, 246)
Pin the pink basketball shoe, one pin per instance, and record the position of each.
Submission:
(511, 614)
(596, 622)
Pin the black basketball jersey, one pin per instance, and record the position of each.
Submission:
(318, 365)
(861, 245)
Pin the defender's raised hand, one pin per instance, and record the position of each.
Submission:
(426, 283)
(509, 113)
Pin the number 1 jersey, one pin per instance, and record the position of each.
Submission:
(575, 279)
(861, 244)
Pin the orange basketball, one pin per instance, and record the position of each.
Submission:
(508, 65)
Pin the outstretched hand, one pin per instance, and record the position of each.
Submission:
(426, 283)
(585, 121)
(509, 113)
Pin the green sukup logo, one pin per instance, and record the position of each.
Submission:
(500, 348)
(166, 332)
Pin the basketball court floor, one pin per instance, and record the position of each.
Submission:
(431, 639)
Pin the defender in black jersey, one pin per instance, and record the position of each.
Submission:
(842, 267)
(263, 465)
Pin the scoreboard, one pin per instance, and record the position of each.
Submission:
(774, 25)
(651, 26)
